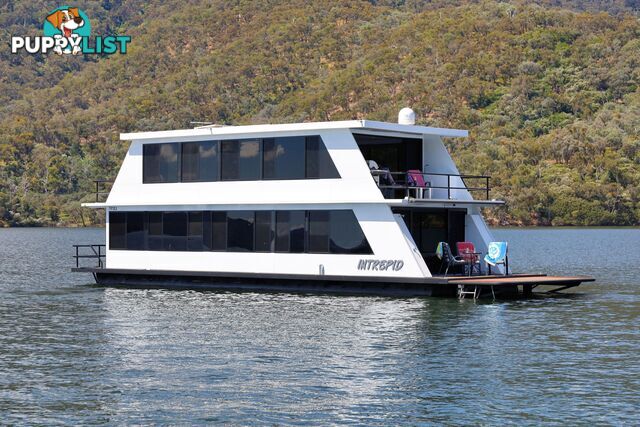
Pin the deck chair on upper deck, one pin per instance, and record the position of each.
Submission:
(415, 178)
(497, 254)
(443, 251)
(386, 179)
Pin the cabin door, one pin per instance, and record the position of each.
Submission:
(428, 227)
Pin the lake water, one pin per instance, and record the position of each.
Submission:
(78, 354)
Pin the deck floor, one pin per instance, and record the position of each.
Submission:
(519, 279)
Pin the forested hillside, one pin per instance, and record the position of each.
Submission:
(548, 89)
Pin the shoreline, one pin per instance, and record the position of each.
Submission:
(492, 227)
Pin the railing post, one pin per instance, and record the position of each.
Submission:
(487, 187)
(406, 185)
(448, 187)
(77, 258)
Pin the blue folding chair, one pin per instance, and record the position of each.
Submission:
(497, 254)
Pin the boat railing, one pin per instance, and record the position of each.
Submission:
(103, 188)
(402, 181)
(97, 252)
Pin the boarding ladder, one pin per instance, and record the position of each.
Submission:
(463, 292)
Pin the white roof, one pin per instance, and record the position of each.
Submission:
(292, 127)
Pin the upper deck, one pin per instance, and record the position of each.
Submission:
(293, 164)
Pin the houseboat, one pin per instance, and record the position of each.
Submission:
(352, 207)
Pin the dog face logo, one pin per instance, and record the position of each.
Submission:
(66, 20)
(70, 23)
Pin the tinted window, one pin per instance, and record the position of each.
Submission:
(282, 231)
(200, 161)
(284, 158)
(290, 226)
(154, 231)
(194, 231)
(319, 231)
(117, 230)
(319, 163)
(345, 234)
(135, 231)
(240, 231)
(264, 231)
(244, 231)
(207, 232)
(297, 221)
(160, 162)
(174, 230)
(241, 160)
(218, 231)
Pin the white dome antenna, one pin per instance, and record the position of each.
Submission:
(407, 116)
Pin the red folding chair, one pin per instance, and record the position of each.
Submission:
(467, 251)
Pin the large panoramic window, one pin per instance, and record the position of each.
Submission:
(117, 230)
(174, 230)
(264, 231)
(241, 160)
(290, 236)
(194, 230)
(154, 231)
(135, 231)
(160, 162)
(218, 231)
(319, 231)
(200, 161)
(240, 226)
(345, 234)
(282, 158)
(319, 163)
(284, 231)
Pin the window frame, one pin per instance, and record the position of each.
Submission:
(122, 236)
(252, 215)
(272, 231)
(199, 144)
(259, 160)
(321, 145)
(304, 158)
(178, 161)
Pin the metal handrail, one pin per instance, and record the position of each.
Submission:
(101, 188)
(407, 187)
(97, 252)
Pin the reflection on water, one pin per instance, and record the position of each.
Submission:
(83, 354)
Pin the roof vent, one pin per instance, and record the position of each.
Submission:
(407, 116)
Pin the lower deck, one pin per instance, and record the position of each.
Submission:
(497, 286)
